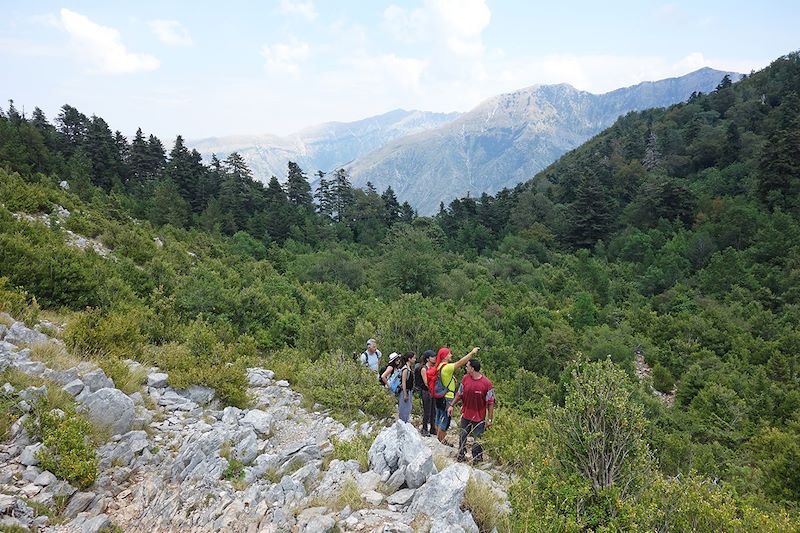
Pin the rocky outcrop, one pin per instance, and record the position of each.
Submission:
(187, 465)
(400, 456)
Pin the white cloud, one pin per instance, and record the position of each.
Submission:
(101, 46)
(285, 57)
(456, 24)
(669, 11)
(293, 7)
(600, 73)
(384, 71)
(170, 32)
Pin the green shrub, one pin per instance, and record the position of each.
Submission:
(124, 378)
(662, 379)
(18, 303)
(225, 373)
(20, 196)
(66, 451)
(234, 471)
(115, 334)
(344, 386)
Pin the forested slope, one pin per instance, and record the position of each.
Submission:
(673, 234)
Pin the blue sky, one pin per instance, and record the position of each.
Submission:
(275, 66)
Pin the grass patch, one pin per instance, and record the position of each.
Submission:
(125, 379)
(234, 471)
(348, 495)
(39, 509)
(273, 475)
(356, 448)
(53, 355)
(441, 462)
(9, 412)
(484, 504)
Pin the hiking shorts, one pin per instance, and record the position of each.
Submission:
(442, 418)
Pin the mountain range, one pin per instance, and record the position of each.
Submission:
(323, 147)
(432, 158)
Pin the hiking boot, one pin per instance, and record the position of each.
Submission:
(424, 433)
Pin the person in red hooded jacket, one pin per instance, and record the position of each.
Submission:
(446, 371)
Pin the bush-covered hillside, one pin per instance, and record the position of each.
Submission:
(674, 235)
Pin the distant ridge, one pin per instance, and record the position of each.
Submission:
(322, 147)
(506, 139)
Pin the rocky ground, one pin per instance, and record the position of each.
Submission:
(168, 465)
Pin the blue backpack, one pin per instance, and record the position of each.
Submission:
(396, 380)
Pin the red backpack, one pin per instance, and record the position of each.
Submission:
(435, 385)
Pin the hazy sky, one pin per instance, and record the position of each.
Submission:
(275, 66)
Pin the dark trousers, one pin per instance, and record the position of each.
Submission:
(470, 429)
(428, 411)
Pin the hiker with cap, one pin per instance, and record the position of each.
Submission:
(421, 388)
(442, 384)
(387, 371)
(371, 357)
(476, 393)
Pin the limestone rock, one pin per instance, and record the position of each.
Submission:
(440, 498)
(28, 456)
(96, 524)
(96, 380)
(79, 502)
(157, 380)
(19, 333)
(110, 408)
(73, 388)
(401, 497)
(198, 394)
(45, 479)
(261, 421)
(401, 446)
(259, 377)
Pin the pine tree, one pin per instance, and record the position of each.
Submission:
(342, 195)
(137, 160)
(590, 213)
(73, 125)
(181, 170)
(157, 156)
(234, 191)
(391, 207)
(122, 152)
(652, 155)
(407, 213)
(102, 151)
(278, 220)
(297, 188)
(323, 197)
(778, 182)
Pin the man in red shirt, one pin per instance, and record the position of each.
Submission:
(477, 394)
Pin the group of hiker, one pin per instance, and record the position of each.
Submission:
(433, 380)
